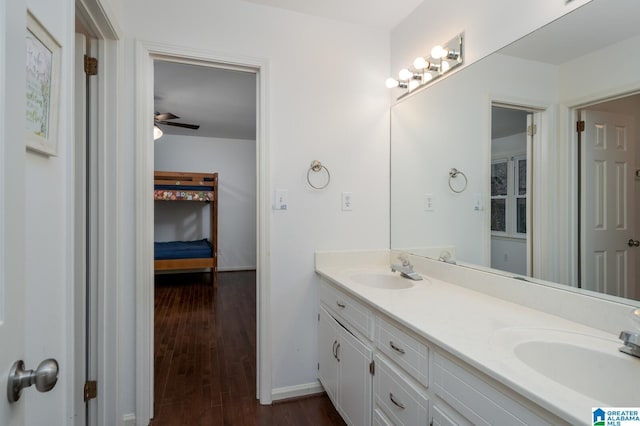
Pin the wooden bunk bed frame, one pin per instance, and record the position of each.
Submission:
(186, 179)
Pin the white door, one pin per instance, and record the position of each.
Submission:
(12, 226)
(327, 362)
(607, 203)
(354, 378)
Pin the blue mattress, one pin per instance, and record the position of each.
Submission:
(182, 249)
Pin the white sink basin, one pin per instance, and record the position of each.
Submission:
(589, 365)
(382, 279)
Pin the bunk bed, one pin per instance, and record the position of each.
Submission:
(186, 187)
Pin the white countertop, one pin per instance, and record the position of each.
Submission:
(471, 326)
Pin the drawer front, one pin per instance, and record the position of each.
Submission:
(379, 419)
(408, 352)
(400, 400)
(475, 399)
(353, 312)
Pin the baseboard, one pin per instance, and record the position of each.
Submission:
(236, 268)
(296, 391)
(128, 420)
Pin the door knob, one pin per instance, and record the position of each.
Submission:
(44, 377)
(634, 243)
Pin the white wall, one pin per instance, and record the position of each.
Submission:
(509, 254)
(327, 101)
(235, 162)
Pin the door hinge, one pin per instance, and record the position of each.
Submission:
(580, 126)
(532, 130)
(318, 316)
(90, 65)
(372, 368)
(90, 390)
(318, 366)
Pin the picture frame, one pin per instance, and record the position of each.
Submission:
(42, 88)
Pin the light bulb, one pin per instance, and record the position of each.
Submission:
(438, 52)
(444, 67)
(420, 63)
(427, 76)
(157, 132)
(405, 74)
(391, 83)
(413, 84)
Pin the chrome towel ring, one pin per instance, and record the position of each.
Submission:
(453, 173)
(317, 167)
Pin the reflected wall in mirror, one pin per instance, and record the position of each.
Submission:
(568, 71)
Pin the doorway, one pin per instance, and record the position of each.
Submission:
(609, 195)
(513, 129)
(146, 53)
(207, 116)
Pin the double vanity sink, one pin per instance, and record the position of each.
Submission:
(551, 367)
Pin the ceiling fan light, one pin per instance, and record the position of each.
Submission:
(157, 132)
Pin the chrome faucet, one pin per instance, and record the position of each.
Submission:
(406, 269)
(631, 342)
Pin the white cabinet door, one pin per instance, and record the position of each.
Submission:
(354, 394)
(327, 361)
(343, 370)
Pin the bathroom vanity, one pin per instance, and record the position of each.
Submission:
(464, 347)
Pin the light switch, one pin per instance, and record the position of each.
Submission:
(281, 199)
(347, 201)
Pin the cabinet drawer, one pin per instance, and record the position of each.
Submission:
(408, 352)
(475, 399)
(379, 419)
(353, 312)
(402, 401)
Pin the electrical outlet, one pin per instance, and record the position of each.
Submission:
(281, 199)
(429, 203)
(478, 204)
(347, 201)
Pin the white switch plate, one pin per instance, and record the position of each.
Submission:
(478, 205)
(281, 199)
(347, 201)
(429, 203)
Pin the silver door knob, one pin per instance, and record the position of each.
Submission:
(44, 377)
(634, 243)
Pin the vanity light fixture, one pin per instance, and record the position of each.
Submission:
(442, 59)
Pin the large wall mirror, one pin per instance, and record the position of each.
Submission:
(546, 135)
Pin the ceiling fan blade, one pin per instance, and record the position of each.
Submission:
(164, 116)
(186, 126)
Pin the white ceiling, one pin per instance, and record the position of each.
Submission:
(590, 27)
(221, 101)
(384, 14)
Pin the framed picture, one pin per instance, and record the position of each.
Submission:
(42, 89)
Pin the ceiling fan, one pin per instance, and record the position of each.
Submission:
(162, 119)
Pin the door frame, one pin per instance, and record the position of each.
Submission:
(538, 153)
(107, 217)
(146, 53)
(574, 115)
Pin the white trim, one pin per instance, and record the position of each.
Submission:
(305, 389)
(100, 22)
(146, 52)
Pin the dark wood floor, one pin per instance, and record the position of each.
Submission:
(205, 352)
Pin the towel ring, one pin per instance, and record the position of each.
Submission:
(317, 167)
(453, 173)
